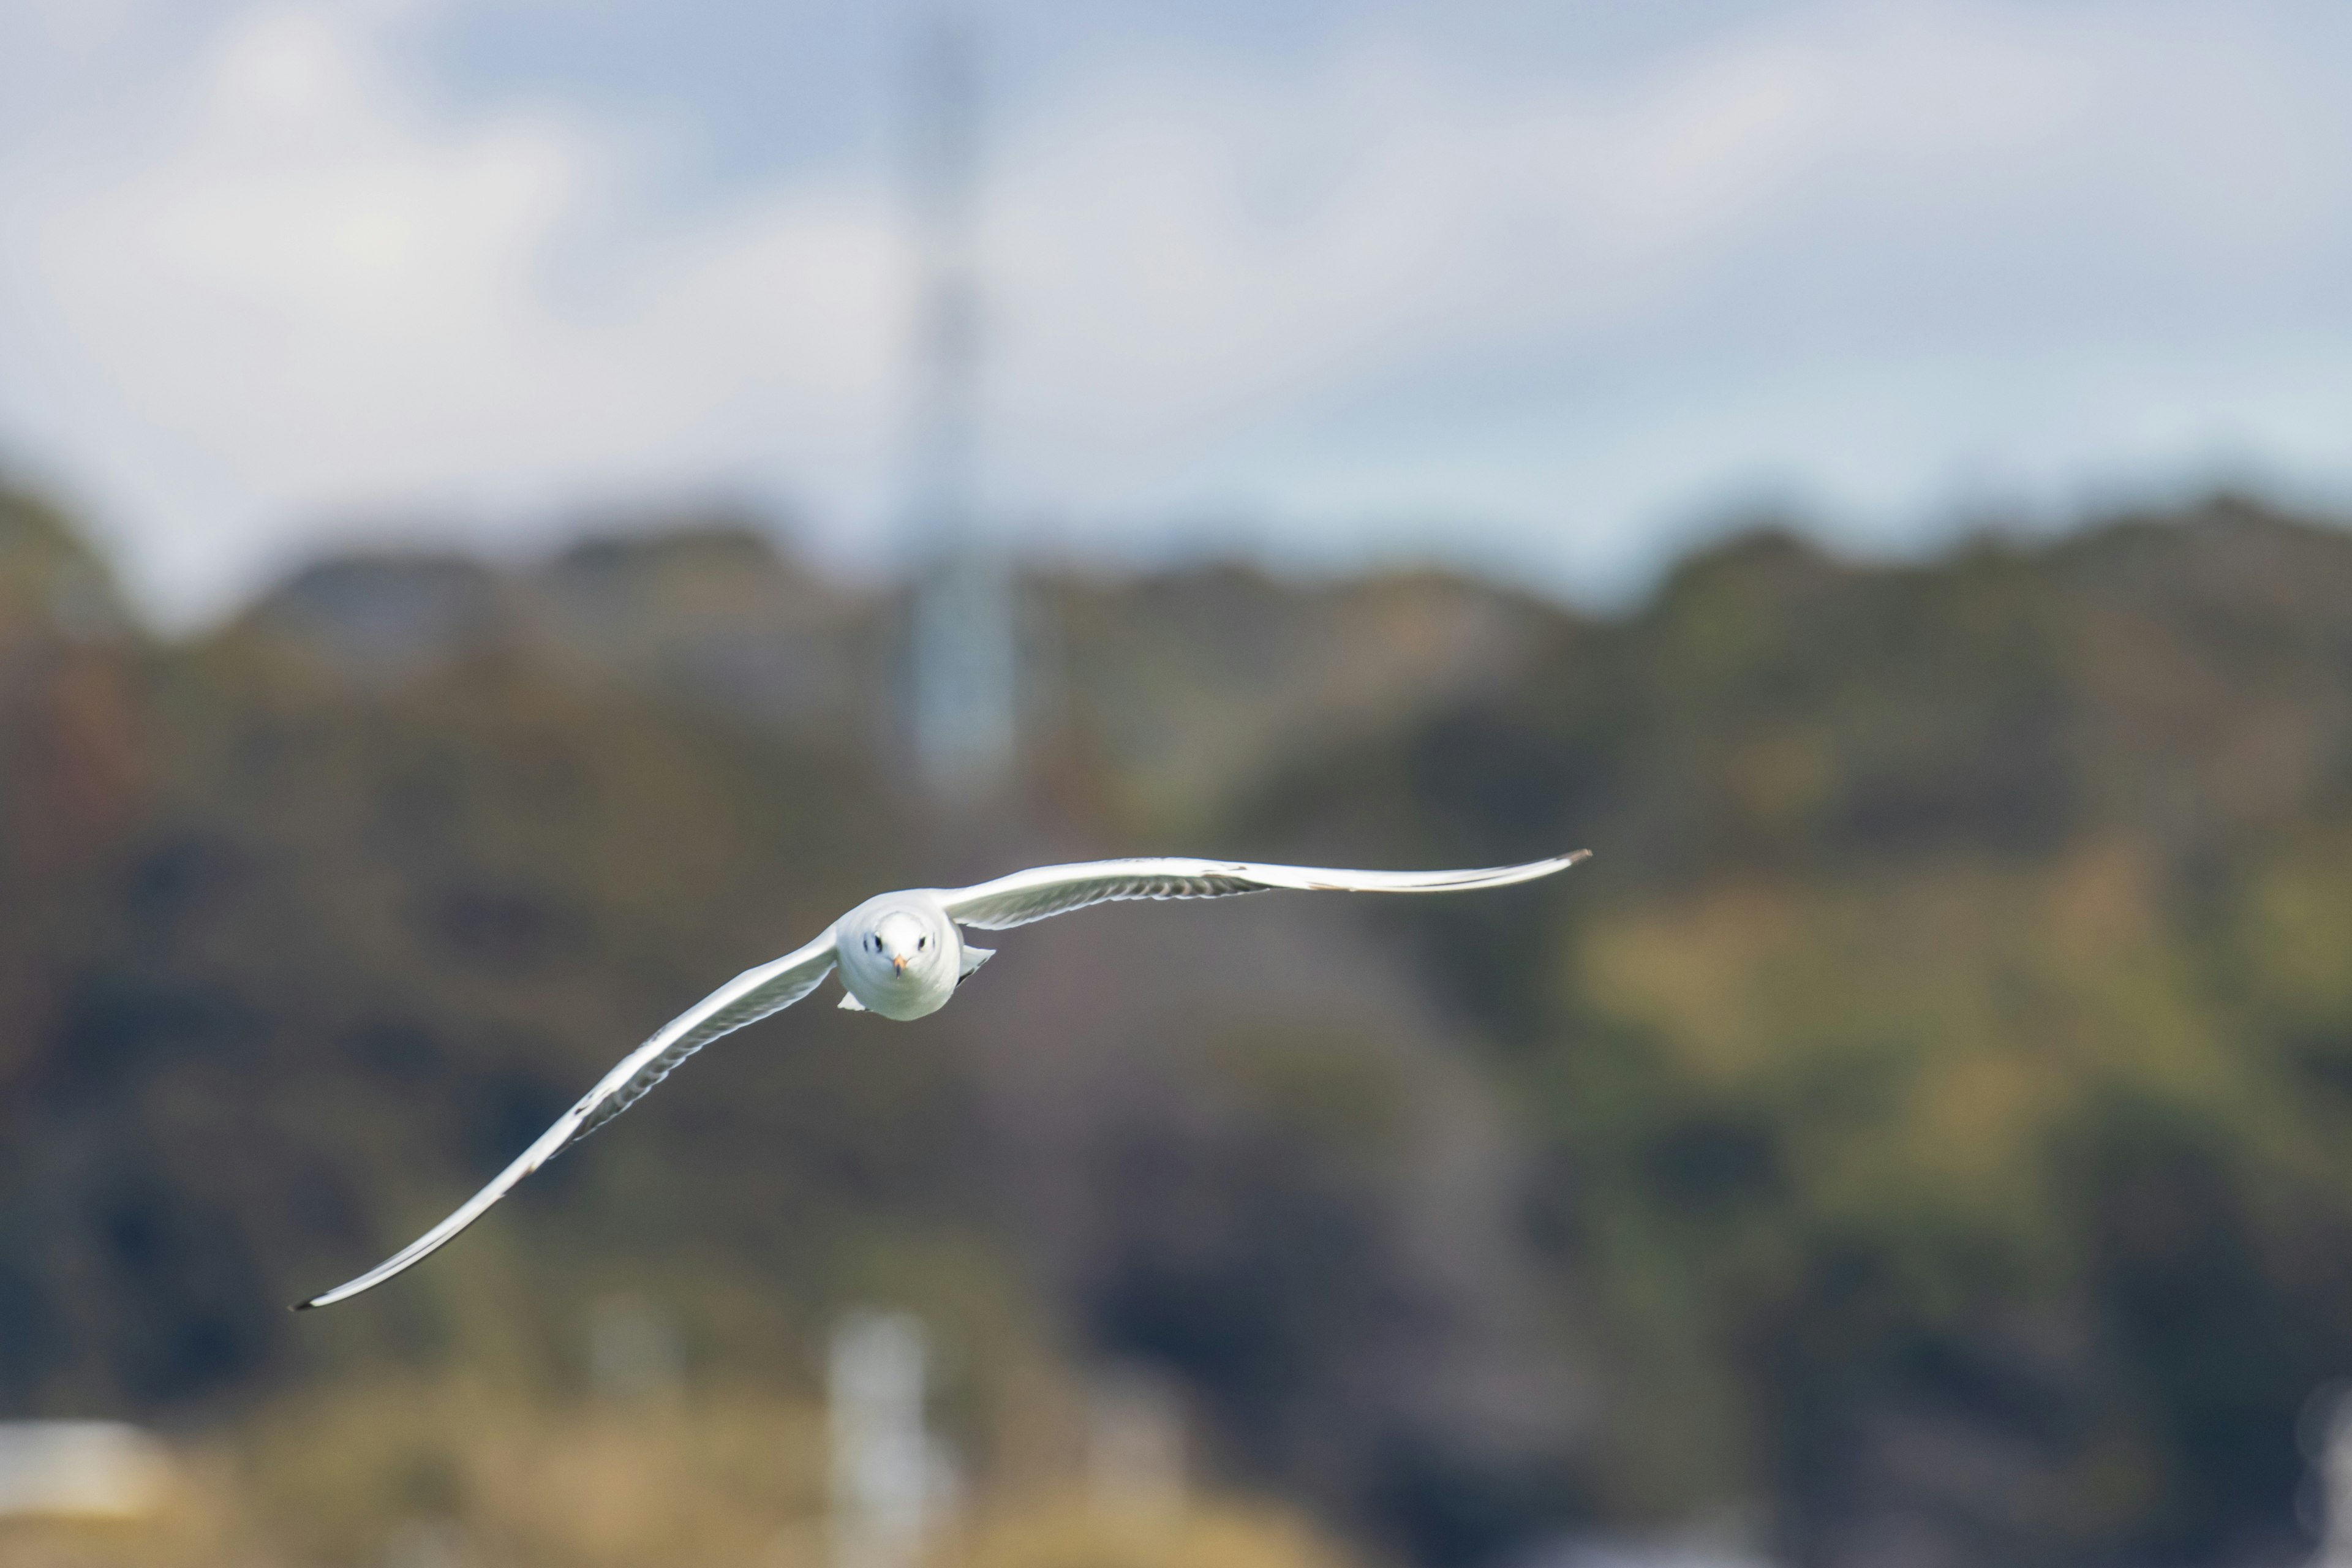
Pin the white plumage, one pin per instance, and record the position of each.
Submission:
(902, 955)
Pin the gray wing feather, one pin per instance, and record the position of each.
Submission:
(1034, 895)
(749, 997)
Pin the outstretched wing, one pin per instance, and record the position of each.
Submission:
(749, 997)
(1033, 895)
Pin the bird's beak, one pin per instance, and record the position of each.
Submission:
(899, 963)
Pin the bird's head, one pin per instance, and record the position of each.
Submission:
(902, 939)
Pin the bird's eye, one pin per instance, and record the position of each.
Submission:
(922, 943)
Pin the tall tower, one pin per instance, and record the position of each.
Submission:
(963, 666)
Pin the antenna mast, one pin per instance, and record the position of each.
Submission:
(964, 703)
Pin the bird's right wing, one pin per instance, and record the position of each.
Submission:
(1034, 894)
(749, 997)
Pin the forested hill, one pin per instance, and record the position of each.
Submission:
(1928, 1118)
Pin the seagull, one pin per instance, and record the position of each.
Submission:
(901, 956)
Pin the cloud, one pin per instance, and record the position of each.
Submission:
(1848, 194)
(303, 297)
(1875, 253)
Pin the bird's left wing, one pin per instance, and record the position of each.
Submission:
(749, 997)
(1033, 895)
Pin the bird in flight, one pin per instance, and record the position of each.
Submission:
(902, 955)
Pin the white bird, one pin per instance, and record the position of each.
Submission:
(902, 955)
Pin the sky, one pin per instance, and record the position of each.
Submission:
(1544, 290)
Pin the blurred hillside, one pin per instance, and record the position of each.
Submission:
(1924, 1126)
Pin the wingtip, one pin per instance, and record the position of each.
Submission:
(1575, 856)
